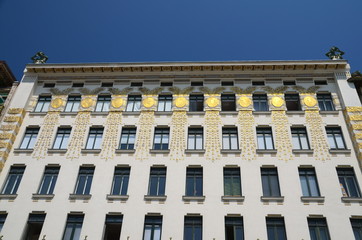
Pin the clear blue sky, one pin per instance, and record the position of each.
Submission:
(75, 31)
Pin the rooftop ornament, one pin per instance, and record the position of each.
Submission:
(334, 53)
(356, 76)
(39, 58)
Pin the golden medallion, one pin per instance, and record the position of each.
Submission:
(180, 102)
(277, 101)
(310, 101)
(244, 102)
(148, 102)
(117, 102)
(87, 102)
(57, 102)
(212, 102)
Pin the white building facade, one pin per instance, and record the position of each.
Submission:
(199, 150)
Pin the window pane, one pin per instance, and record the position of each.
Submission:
(261, 144)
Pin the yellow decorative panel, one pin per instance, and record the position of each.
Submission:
(282, 135)
(354, 109)
(246, 123)
(180, 102)
(178, 140)
(310, 101)
(76, 143)
(277, 101)
(87, 102)
(356, 126)
(110, 140)
(15, 110)
(9, 128)
(4, 154)
(148, 102)
(355, 117)
(358, 135)
(7, 136)
(244, 102)
(57, 103)
(117, 102)
(212, 102)
(12, 119)
(143, 143)
(212, 142)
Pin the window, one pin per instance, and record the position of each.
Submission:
(166, 84)
(325, 102)
(73, 227)
(194, 182)
(84, 180)
(72, 104)
(134, 103)
(94, 138)
(260, 102)
(103, 103)
(49, 85)
(49, 179)
(292, 102)
(320, 82)
(164, 103)
(265, 138)
(120, 181)
(193, 228)
(300, 138)
(136, 84)
(196, 103)
(335, 138)
(318, 229)
(2, 220)
(13, 180)
(270, 182)
(356, 226)
(153, 228)
(113, 227)
(234, 228)
(232, 185)
(276, 228)
(61, 139)
(77, 85)
(258, 83)
(348, 182)
(195, 139)
(227, 83)
(29, 138)
(34, 226)
(157, 182)
(308, 180)
(107, 84)
(43, 104)
(230, 138)
(228, 102)
(197, 83)
(161, 138)
(289, 82)
(128, 137)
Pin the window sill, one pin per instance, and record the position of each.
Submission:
(160, 151)
(125, 150)
(68, 113)
(38, 113)
(80, 196)
(233, 198)
(196, 113)
(230, 151)
(91, 151)
(295, 112)
(340, 151)
(351, 199)
(272, 199)
(335, 112)
(43, 196)
(19, 150)
(100, 113)
(228, 112)
(266, 151)
(163, 113)
(201, 151)
(117, 197)
(302, 151)
(51, 150)
(194, 198)
(159, 198)
(131, 113)
(8, 196)
(262, 112)
(312, 199)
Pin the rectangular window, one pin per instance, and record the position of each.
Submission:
(270, 182)
(2, 220)
(128, 138)
(276, 228)
(153, 228)
(325, 102)
(193, 228)
(196, 103)
(77, 85)
(29, 138)
(107, 84)
(194, 181)
(318, 229)
(265, 138)
(348, 182)
(157, 182)
(292, 102)
(289, 82)
(49, 180)
(356, 226)
(84, 181)
(234, 228)
(300, 138)
(120, 181)
(103, 103)
(230, 138)
(34, 226)
(195, 138)
(73, 227)
(335, 138)
(232, 182)
(134, 103)
(13, 180)
(72, 104)
(164, 103)
(94, 138)
(161, 138)
(43, 104)
(61, 139)
(113, 227)
(228, 102)
(309, 183)
(260, 102)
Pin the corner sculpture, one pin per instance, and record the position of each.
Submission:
(334, 53)
(39, 58)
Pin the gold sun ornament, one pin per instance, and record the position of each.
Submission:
(148, 102)
(87, 102)
(277, 101)
(117, 102)
(244, 102)
(310, 101)
(57, 103)
(180, 102)
(212, 102)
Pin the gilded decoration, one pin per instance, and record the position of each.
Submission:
(354, 119)
(244, 102)
(277, 101)
(117, 102)
(178, 140)
(143, 142)
(76, 143)
(212, 143)
(212, 102)
(16, 111)
(12, 119)
(180, 102)
(357, 126)
(87, 102)
(247, 134)
(9, 127)
(282, 139)
(32, 103)
(310, 101)
(354, 109)
(148, 102)
(57, 103)
(110, 140)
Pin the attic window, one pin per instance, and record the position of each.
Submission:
(78, 85)
(166, 84)
(194, 84)
(258, 83)
(289, 82)
(136, 84)
(227, 83)
(107, 84)
(320, 82)
(49, 85)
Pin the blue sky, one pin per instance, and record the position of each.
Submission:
(178, 30)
